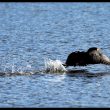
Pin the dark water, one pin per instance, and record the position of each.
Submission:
(30, 32)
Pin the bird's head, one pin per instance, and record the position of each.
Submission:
(94, 49)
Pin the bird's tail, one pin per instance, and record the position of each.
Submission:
(64, 64)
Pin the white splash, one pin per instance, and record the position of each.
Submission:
(14, 69)
(54, 66)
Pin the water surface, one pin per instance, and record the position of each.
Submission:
(31, 32)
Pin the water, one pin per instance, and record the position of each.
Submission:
(31, 32)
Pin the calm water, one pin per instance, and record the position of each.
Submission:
(31, 32)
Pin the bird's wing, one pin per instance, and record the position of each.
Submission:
(100, 58)
(105, 60)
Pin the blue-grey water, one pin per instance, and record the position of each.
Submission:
(31, 32)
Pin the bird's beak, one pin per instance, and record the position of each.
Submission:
(98, 49)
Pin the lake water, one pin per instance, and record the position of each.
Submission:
(31, 32)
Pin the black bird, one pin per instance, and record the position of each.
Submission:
(92, 56)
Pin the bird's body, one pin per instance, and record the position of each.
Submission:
(92, 56)
(76, 58)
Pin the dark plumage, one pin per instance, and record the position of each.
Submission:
(92, 56)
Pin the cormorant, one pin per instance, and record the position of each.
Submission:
(92, 56)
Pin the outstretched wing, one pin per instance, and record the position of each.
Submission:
(97, 58)
(105, 60)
